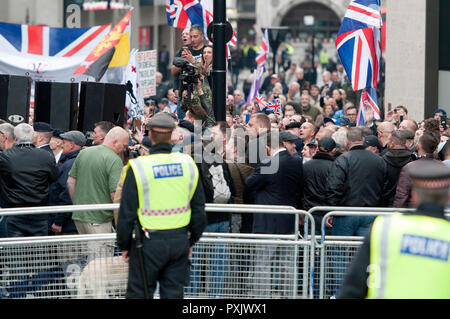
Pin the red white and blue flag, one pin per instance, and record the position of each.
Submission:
(261, 101)
(47, 53)
(263, 52)
(184, 13)
(359, 44)
(47, 41)
(368, 105)
(275, 106)
(261, 63)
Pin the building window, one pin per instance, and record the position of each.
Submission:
(246, 6)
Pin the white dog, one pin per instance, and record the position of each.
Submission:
(102, 275)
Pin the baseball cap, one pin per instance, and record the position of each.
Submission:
(441, 111)
(372, 140)
(75, 136)
(344, 121)
(328, 119)
(326, 144)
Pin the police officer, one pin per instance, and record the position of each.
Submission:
(405, 256)
(162, 195)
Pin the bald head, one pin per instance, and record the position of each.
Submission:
(386, 126)
(408, 125)
(117, 139)
(384, 132)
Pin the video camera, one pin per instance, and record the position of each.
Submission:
(188, 76)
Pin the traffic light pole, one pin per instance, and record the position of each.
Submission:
(219, 60)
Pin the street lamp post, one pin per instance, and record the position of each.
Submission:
(309, 21)
(276, 37)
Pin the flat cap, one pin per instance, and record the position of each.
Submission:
(162, 122)
(187, 125)
(429, 174)
(293, 125)
(372, 140)
(42, 127)
(57, 133)
(409, 135)
(286, 136)
(75, 136)
(326, 144)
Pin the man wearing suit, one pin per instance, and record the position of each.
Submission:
(329, 85)
(277, 181)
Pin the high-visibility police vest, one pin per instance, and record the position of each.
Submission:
(166, 184)
(409, 258)
(289, 49)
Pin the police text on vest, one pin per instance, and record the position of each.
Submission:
(167, 170)
(425, 247)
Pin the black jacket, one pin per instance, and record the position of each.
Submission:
(355, 281)
(395, 160)
(283, 187)
(26, 173)
(130, 202)
(357, 178)
(206, 179)
(59, 194)
(315, 174)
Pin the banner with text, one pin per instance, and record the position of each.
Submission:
(147, 63)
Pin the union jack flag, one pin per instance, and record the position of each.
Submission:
(368, 104)
(275, 106)
(261, 101)
(47, 41)
(263, 52)
(359, 45)
(184, 13)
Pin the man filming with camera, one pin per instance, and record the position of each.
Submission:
(193, 42)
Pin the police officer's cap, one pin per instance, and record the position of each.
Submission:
(429, 174)
(162, 122)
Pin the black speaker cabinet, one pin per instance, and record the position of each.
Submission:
(56, 103)
(101, 102)
(14, 98)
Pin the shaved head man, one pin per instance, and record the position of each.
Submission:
(93, 179)
(384, 132)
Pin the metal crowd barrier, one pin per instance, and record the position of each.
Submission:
(224, 265)
(334, 254)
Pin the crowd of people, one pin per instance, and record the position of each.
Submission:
(309, 154)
